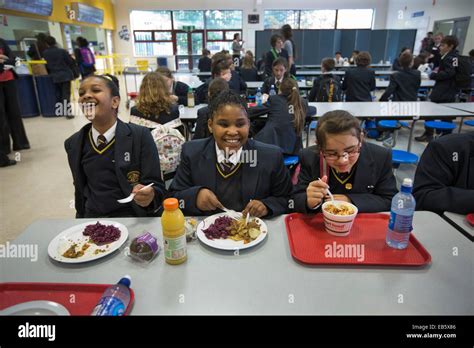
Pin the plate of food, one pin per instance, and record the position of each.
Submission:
(223, 232)
(36, 308)
(88, 241)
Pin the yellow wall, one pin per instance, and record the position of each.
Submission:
(59, 13)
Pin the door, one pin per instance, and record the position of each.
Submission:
(457, 27)
(189, 46)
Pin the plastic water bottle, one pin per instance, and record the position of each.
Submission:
(115, 299)
(401, 216)
(272, 90)
(258, 97)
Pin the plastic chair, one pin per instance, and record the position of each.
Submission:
(392, 125)
(440, 126)
(469, 123)
(309, 128)
(290, 160)
(402, 157)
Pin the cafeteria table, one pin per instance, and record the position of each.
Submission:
(265, 279)
(338, 72)
(318, 66)
(459, 221)
(467, 107)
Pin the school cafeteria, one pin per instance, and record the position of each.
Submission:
(237, 158)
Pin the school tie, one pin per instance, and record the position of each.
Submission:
(277, 85)
(101, 142)
(226, 168)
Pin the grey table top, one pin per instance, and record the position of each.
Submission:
(266, 279)
(468, 107)
(425, 110)
(337, 72)
(318, 66)
(460, 221)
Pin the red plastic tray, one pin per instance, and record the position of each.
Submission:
(311, 244)
(470, 219)
(86, 296)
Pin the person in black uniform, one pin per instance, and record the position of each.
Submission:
(248, 71)
(60, 67)
(155, 102)
(222, 170)
(405, 83)
(444, 90)
(220, 68)
(444, 178)
(205, 62)
(355, 171)
(360, 81)
(110, 159)
(435, 54)
(316, 95)
(179, 90)
(277, 50)
(396, 63)
(279, 72)
(84, 57)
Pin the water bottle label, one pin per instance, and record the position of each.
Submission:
(109, 306)
(175, 248)
(400, 223)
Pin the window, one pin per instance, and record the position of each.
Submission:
(151, 20)
(216, 19)
(318, 19)
(274, 19)
(355, 19)
(188, 18)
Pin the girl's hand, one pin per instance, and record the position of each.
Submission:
(343, 198)
(316, 191)
(207, 201)
(144, 197)
(174, 98)
(255, 208)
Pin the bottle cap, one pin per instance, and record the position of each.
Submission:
(126, 280)
(170, 204)
(407, 182)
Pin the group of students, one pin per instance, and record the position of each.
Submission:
(109, 159)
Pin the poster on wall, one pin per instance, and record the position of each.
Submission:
(38, 7)
(88, 14)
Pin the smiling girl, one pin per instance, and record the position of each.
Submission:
(110, 159)
(354, 171)
(228, 169)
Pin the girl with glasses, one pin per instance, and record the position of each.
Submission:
(354, 171)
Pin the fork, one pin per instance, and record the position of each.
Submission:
(232, 213)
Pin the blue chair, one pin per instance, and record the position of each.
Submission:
(440, 127)
(309, 128)
(469, 123)
(402, 157)
(393, 126)
(313, 125)
(290, 160)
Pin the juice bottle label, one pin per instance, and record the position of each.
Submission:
(175, 248)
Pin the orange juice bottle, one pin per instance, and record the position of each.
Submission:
(174, 235)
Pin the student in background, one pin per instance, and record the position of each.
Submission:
(360, 81)
(280, 71)
(237, 47)
(421, 64)
(396, 63)
(352, 59)
(218, 172)
(435, 54)
(236, 83)
(354, 170)
(277, 50)
(405, 83)
(205, 62)
(427, 42)
(220, 68)
(289, 46)
(339, 60)
(178, 90)
(110, 159)
(216, 86)
(444, 179)
(286, 118)
(248, 71)
(444, 90)
(84, 57)
(155, 103)
(326, 87)
(60, 67)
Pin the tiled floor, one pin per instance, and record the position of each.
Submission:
(40, 185)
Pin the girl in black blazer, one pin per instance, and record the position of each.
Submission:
(178, 90)
(359, 82)
(228, 169)
(110, 159)
(354, 171)
(155, 103)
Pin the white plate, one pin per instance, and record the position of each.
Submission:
(63, 241)
(228, 244)
(36, 308)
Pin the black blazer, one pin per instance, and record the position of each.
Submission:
(270, 57)
(404, 85)
(59, 64)
(237, 84)
(202, 130)
(434, 50)
(249, 74)
(374, 183)
(205, 64)
(445, 90)
(313, 94)
(358, 83)
(7, 52)
(180, 89)
(279, 129)
(444, 179)
(267, 85)
(268, 181)
(131, 142)
(162, 118)
(200, 94)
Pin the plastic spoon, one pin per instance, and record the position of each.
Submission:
(329, 193)
(132, 195)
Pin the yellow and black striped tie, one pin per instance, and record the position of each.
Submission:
(101, 142)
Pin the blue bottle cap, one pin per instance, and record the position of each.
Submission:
(126, 280)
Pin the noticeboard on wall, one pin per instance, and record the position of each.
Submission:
(38, 7)
(88, 14)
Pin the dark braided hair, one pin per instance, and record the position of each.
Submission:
(224, 98)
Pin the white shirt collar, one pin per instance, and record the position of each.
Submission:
(234, 157)
(109, 134)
